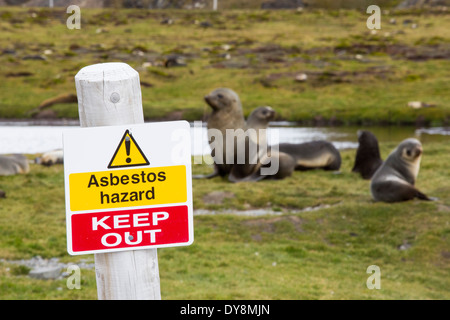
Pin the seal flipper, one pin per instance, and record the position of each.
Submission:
(423, 196)
(251, 178)
(391, 191)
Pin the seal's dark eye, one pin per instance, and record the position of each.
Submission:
(219, 96)
(408, 152)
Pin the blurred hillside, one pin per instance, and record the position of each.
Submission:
(229, 4)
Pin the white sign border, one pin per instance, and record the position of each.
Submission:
(68, 135)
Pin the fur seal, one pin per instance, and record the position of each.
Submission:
(368, 158)
(318, 154)
(258, 155)
(50, 158)
(13, 164)
(286, 166)
(226, 114)
(260, 117)
(62, 98)
(394, 180)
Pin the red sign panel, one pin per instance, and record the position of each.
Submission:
(128, 229)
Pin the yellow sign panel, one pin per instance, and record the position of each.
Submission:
(127, 188)
(128, 153)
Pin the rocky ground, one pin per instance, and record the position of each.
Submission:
(40, 268)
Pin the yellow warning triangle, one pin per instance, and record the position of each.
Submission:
(128, 154)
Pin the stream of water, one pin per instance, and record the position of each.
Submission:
(30, 137)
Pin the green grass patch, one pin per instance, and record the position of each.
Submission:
(266, 50)
(321, 254)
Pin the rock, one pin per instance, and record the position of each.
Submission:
(301, 77)
(175, 61)
(225, 47)
(51, 272)
(146, 84)
(63, 3)
(15, 2)
(18, 74)
(420, 104)
(48, 268)
(282, 4)
(420, 3)
(225, 56)
(101, 30)
(205, 24)
(404, 246)
(2, 194)
(167, 21)
(9, 51)
(217, 197)
(415, 104)
(34, 57)
(407, 21)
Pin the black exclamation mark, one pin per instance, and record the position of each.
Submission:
(127, 148)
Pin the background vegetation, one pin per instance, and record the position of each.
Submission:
(354, 75)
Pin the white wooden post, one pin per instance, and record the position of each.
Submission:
(214, 5)
(110, 94)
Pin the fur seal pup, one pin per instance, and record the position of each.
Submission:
(13, 164)
(62, 98)
(50, 158)
(318, 154)
(394, 180)
(259, 118)
(368, 158)
(226, 114)
(258, 155)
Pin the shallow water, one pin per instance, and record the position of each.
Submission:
(36, 137)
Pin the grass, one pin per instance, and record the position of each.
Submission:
(267, 49)
(322, 254)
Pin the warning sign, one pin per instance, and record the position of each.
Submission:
(116, 199)
(128, 153)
